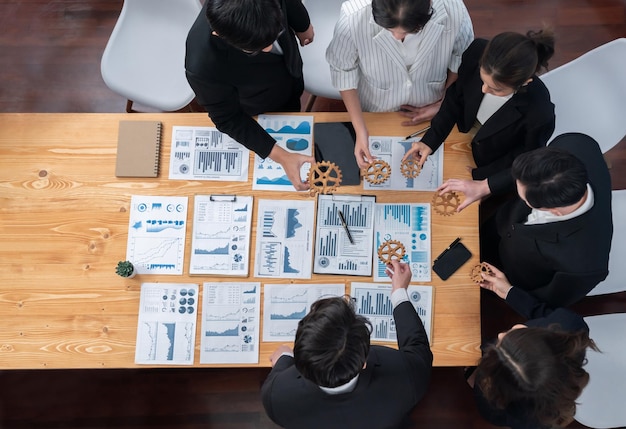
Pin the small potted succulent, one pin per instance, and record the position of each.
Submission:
(125, 269)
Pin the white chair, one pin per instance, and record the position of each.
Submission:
(144, 59)
(589, 94)
(602, 403)
(324, 15)
(616, 280)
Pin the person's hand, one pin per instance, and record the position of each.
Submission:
(306, 37)
(292, 163)
(399, 273)
(497, 283)
(419, 151)
(283, 348)
(474, 190)
(419, 114)
(362, 151)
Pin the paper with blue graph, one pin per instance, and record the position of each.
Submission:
(156, 234)
(284, 239)
(284, 306)
(391, 150)
(205, 153)
(292, 133)
(410, 225)
(220, 243)
(373, 300)
(231, 314)
(344, 246)
(166, 329)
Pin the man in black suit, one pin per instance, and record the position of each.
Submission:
(554, 240)
(334, 379)
(242, 60)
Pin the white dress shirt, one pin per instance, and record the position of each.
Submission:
(366, 57)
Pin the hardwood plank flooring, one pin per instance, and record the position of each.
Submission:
(50, 62)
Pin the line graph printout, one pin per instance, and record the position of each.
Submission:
(410, 225)
(231, 314)
(220, 242)
(373, 300)
(334, 253)
(204, 153)
(284, 306)
(284, 239)
(292, 133)
(156, 234)
(166, 330)
(391, 150)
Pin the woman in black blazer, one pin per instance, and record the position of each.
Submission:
(500, 101)
(532, 375)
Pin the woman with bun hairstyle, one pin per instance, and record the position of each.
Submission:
(499, 100)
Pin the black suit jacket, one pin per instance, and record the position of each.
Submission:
(525, 122)
(517, 416)
(388, 388)
(560, 262)
(234, 86)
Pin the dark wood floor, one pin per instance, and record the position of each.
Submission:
(49, 62)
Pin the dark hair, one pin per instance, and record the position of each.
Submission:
(552, 177)
(410, 15)
(537, 369)
(249, 25)
(513, 58)
(332, 342)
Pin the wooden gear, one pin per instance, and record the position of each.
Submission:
(475, 275)
(410, 168)
(389, 250)
(324, 178)
(378, 171)
(446, 204)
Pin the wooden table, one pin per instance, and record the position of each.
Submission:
(64, 222)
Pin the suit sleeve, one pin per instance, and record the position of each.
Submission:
(413, 344)
(283, 363)
(297, 15)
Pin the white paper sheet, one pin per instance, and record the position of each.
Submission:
(391, 150)
(220, 241)
(166, 330)
(156, 234)
(230, 323)
(373, 300)
(284, 239)
(285, 305)
(204, 153)
(410, 225)
(292, 133)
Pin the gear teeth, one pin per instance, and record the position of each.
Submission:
(390, 249)
(410, 168)
(324, 178)
(446, 204)
(475, 275)
(377, 172)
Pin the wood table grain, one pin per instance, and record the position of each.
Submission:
(64, 222)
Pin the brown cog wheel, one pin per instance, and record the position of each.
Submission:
(390, 249)
(377, 172)
(410, 168)
(475, 275)
(324, 177)
(446, 204)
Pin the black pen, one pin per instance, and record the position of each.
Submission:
(417, 133)
(456, 240)
(345, 226)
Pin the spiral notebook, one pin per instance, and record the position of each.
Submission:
(138, 149)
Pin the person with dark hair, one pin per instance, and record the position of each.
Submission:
(501, 103)
(396, 55)
(334, 378)
(531, 376)
(554, 239)
(243, 60)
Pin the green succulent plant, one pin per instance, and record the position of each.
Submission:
(124, 268)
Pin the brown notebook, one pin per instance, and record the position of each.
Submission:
(138, 149)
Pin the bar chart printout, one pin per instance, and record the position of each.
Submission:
(230, 322)
(373, 300)
(221, 235)
(410, 225)
(205, 153)
(284, 238)
(166, 330)
(285, 305)
(156, 234)
(334, 252)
